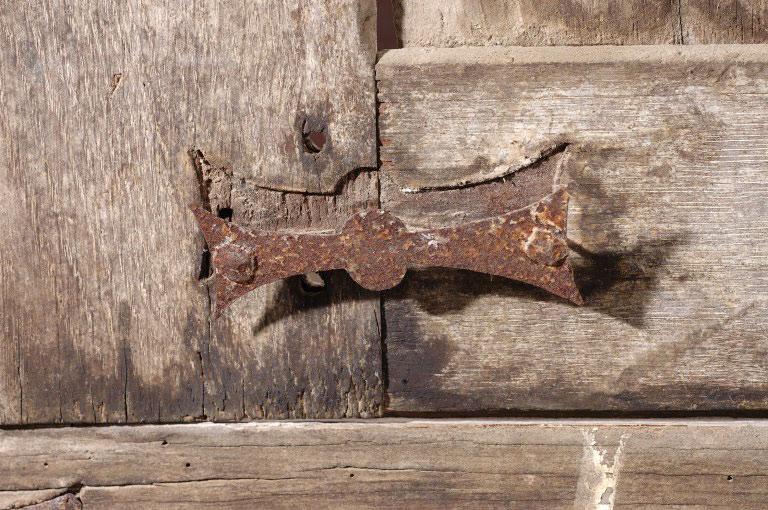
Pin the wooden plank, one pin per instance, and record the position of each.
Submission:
(278, 70)
(108, 110)
(30, 499)
(102, 313)
(724, 21)
(285, 351)
(665, 152)
(398, 464)
(583, 22)
(530, 23)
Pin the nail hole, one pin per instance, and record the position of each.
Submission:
(404, 381)
(351, 475)
(314, 141)
(45, 464)
(314, 136)
(163, 442)
(729, 478)
(187, 464)
(225, 213)
(312, 283)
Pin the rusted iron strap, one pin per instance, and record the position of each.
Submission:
(376, 249)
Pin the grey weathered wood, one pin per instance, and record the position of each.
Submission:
(31, 498)
(724, 21)
(283, 352)
(580, 22)
(108, 109)
(101, 311)
(278, 68)
(666, 157)
(532, 23)
(65, 502)
(398, 464)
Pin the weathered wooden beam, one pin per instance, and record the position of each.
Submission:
(287, 350)
(115, 117)
(396, 464)
(581, 22)
(296, 80)
(665, 153)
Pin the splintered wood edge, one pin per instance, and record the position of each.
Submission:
(714, 53)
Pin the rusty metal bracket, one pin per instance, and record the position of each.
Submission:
(377, 249)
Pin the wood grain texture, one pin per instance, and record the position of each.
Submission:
(285, 351)
(108, 109)
(102, 313)
(665, 152)
(724, 21)
(398, 464)
(454, 23)
(280, 69)
(579, 22)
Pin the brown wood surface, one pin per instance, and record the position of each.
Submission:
(665, 152)
(117, 115)
(456, 23)
(724, 21)
(288, 351)
(396, 464)
(271, 71)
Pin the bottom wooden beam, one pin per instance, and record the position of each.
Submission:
(599, 464)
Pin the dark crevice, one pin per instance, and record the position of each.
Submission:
(386, 26)
(205, 265)
(342, 183)
(680, 20)
(215, 190)
(116, 78)
(382, 324)
(565, 414)
(125, 380)
(225, 213)
(314, 136)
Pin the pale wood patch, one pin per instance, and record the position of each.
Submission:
(456, 23)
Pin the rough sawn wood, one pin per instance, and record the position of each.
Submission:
(456, 23)
(665, 152)
(117, 115)
(396, 464)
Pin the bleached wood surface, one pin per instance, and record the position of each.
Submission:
(396, 464)
(665, 152)
(456, 23)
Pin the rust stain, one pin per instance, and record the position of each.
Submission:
(377, 249)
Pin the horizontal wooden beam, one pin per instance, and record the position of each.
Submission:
(664, 151)
(579, 22)
(388, 463)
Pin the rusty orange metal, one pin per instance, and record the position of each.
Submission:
(376, 249)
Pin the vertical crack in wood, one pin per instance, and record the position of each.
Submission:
(125, 380)
(680, 20)
(381, 324)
